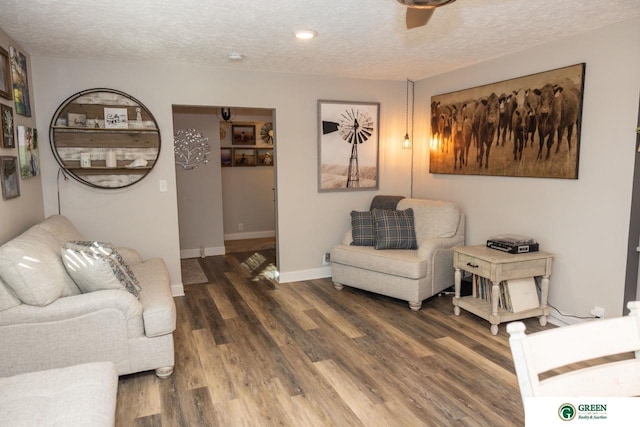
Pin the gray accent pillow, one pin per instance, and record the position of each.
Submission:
(394, 229)
(363, 230)
(96, 266)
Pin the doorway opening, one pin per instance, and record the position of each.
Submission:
(228, 204)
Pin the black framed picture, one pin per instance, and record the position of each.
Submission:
(225, 157)
(8, 129)
(264, 156)
(243, 134)
(244, 157)
(6, 90)
(9, 177)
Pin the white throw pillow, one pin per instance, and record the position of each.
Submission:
(96, 266)
(30, 265)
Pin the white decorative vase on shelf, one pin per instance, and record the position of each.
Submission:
(111, 160)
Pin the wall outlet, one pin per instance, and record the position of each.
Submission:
(597, 312)
(240, 226)
(326, 258)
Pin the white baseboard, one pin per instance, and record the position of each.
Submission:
(195, 253)
(300, 275)
(250, 235)
(177, 290)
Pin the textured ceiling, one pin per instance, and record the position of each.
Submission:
(357, 38)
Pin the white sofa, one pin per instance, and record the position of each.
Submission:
(47, 322)
(80, 395)
(411, 275)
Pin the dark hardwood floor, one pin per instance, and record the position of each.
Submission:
(252, 352)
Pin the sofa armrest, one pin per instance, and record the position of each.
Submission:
(158, 308)
(129, 255)
(78, 305)
(428, 248)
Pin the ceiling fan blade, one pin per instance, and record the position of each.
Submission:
(418, 17)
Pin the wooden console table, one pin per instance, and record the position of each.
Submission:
(497, 266)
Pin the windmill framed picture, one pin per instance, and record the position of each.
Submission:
(348, 141)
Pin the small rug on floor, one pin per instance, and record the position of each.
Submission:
(192, 273)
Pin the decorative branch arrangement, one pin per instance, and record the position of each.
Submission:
(191, 148)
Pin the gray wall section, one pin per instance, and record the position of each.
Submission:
(18, 214)
(248, 192)
(199, 190)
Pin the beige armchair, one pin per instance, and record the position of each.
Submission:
(411, 275)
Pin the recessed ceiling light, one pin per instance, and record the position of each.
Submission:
(235, 56)
(305, 34)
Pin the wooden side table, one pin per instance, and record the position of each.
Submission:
(497, 266)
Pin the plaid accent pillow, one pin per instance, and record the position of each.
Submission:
(362, 229)
(394, 229)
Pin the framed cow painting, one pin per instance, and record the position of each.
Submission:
(528, 126)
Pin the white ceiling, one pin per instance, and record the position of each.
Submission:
(357, 38)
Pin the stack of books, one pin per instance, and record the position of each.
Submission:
(513, 243)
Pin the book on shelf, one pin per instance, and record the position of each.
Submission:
(523, 294)
(514, 295)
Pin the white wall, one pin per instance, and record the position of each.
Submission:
(584, 222)
(309, 223)
(199, 190)
(18, 214)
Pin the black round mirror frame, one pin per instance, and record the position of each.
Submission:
(98, 144)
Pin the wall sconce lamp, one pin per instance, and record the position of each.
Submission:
(226, 113)
(406, 143)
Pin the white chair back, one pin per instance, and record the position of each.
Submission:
(566, 346)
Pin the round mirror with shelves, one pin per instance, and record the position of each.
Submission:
(104, 138)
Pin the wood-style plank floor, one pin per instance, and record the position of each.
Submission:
(252, 352)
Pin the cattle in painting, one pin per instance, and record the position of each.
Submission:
(435, 115)
(531, 103)
(518, 126)
(508, 104)
(457, 139)
(549, 115)
(444, 127)
(489, 116)
(569, 100)
(468, 110)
